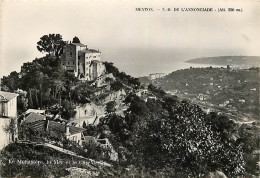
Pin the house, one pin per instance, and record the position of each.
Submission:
(8, 104)
(32, 117)
(57, 131)
(156, 76)
(8, 114)
(85, 63)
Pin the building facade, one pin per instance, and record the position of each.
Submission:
(8, 104)
(156, 76)
(8, 111)
(85, 63)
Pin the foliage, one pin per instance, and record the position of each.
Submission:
(75, 40)
(116, 86)
(52, 44)
(123, 77)
(67, 109)
(12, 128)
(22, 104)
(16, 152)
(166, 132)
(46, 84)
(178, 135)
(110, 107)
(157, 92)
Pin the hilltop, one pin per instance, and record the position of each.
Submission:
(240, 61)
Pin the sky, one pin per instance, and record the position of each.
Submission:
(116, 26)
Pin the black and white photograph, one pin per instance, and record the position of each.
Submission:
(129, 89)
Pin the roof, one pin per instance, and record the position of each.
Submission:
(7, 95)
(39, 125)
(32, 117)
(79, 44)
(35, 111)
(60, 128)
(90, 51)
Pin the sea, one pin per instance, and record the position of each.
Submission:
(140, 62)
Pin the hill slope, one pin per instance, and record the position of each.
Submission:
(228, 60)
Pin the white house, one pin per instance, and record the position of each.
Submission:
(8, 110)
(8, 104)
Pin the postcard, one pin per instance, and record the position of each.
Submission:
(140, 88)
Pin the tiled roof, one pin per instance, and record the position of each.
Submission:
(32, 117)
(39, 125)
(7, 95)
(90, 51)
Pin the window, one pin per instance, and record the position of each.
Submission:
(73, 62)
(70, 53)
(68, 63)
(79, 57)
(86, 57)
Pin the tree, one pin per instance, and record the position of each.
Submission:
(30, 101)
(12, 128)
(51, 44)
(116, 86)
(11, 81)
(110, 107)
(22, 103)
(75, 40)
(170, 132)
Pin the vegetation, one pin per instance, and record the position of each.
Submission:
(51, 44)
(39, 161)
(46, 84)
(168, 134)
(75, 40)
(110, 107)
(121, 76)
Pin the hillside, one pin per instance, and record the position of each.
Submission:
(241, 61)
(229, 91)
